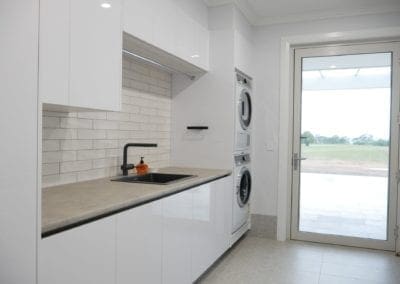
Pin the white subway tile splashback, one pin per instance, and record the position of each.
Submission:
(73, 123)
(91, 134)
(51, 145)
(75, 166)
(50, 169)
(76, 144)
(58, 156)
(58, 133)
(79, 146)
(51, 122)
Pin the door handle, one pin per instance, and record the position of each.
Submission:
(295, 161)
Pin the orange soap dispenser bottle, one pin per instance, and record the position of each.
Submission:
(142, 168)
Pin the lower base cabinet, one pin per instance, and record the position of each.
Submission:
(85, 254)
(210, 224)
(171, 241)
(139, 244)
(177, 238)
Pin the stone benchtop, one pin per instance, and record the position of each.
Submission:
(70, 205)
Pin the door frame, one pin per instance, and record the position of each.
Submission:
(286, 107)
(348, 49)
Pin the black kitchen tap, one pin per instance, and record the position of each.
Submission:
(125, 167)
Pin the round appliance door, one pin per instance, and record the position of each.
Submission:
(244, 187)
(245, 109)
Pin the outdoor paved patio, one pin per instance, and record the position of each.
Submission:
(348, 205)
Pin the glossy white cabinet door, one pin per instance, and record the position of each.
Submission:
(96, 60)
(82, 255)
(177, 238)
(202, 46)
(139, 18)
(19, 192)
(54, 51)
(204, 228)
(139, 244)
(164, 26)
(185, 37)
(210, 224)
(223, 190)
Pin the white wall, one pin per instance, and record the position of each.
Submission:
(266, 116)
(19, 144)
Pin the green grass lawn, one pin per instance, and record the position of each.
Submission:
(347, 152)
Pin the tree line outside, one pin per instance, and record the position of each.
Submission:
(308, 138)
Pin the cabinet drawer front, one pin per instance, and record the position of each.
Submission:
(82, 255)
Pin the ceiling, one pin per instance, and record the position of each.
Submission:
(267, 12)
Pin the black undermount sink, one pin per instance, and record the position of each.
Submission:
(153, 178)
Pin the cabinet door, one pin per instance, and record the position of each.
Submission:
(139, 244)
(95, 57)
(164, 26)
(223, 199)
(177, 238)
(185, 37)
(139, 18)
(54, 51)
(82, 255)
(204, 228)
(203, 45)
(211, 221)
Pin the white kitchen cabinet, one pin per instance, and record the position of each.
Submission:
(96, 60)
(80, 49)
(202, 44)
(223, 220)
(185, 33)
(138, 18)
(171, 240)
(177, 238)
(82, 255)
(210, 224)
(164, 25)
(204, 228)
(54, 51)
(139, 244)
(19, 116)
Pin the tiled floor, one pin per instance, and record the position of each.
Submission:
(259, 260)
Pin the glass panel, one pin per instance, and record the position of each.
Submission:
(245, 110)
(345, 132)
(245, 187)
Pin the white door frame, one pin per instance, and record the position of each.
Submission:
(286, 109)
(343, 49)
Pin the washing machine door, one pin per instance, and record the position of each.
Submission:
(243, 187)
(244, 109)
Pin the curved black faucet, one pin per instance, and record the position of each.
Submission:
(125, 167)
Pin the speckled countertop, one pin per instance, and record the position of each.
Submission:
(67, 205)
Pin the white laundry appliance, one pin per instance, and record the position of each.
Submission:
(241, 196)
(243, 112)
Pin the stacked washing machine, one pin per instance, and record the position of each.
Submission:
(242, 167)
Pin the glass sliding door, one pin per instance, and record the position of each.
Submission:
(345, 145)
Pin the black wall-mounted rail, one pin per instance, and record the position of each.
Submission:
(197, 127)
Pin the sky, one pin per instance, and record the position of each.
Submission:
(347, 95)
(348, 113)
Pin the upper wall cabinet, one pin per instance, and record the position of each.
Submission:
(162, 24)
(80, 47)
